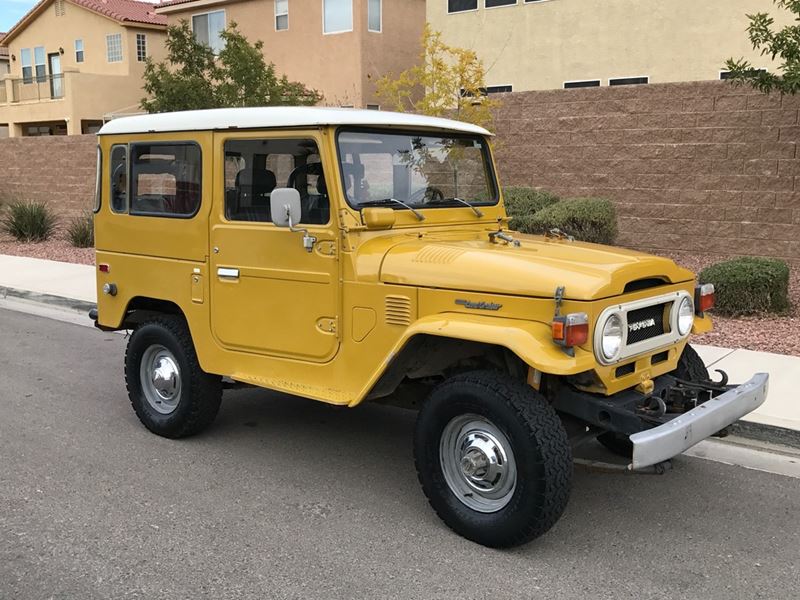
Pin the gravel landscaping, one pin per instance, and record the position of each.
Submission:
(53, 249)
(780, 335)
(769, 334)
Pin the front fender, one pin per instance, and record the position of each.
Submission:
(532, 342)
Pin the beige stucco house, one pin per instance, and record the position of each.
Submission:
(549, 44)
(76, 63)
(339, 47)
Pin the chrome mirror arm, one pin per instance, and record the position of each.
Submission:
(308, 239)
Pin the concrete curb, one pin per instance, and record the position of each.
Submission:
(745, 429)
(80, 306)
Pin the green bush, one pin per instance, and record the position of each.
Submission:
(80, 231)
(29, 221)
(523, 202)
(749, 285)
(586, 219)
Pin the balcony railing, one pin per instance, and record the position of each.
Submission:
(36, 88)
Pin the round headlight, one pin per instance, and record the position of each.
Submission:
(612, 337)
(685, 316)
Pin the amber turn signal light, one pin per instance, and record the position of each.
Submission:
(704, 298)
(571, 330)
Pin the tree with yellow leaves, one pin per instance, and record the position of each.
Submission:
(447, 82)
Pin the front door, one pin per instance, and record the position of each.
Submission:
(269, 295)
(56, 76)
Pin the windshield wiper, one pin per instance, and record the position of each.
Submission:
(478, 212)
(386, 201)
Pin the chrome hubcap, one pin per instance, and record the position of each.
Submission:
(161, 379)
(478, 463)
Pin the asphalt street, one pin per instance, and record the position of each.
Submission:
(288, 498)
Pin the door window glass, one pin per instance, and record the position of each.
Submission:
(254, 168)
(118, 171)
(165, 179)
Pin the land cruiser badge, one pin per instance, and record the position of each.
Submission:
(479, 305)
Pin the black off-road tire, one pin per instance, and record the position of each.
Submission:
(690, 368)
(201, 392)
(539, 443)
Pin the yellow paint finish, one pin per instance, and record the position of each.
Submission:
(326, 324)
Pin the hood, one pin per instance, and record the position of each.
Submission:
(536, 268)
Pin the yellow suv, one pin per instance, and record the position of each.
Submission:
(352, 256)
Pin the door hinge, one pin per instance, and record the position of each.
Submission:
(327, 324)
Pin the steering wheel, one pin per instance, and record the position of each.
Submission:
(428, 195)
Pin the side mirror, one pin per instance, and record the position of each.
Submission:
(285, 207)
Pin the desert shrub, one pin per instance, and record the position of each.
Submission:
(586, 219)
(29, 221)
(80, 231)
(749, 285)
(523, 202)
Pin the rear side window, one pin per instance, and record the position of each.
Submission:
(118, 172)
(165, 179)
(98, 184)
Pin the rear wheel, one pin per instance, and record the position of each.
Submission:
(170, 393)
(690, 368)
(493, 459)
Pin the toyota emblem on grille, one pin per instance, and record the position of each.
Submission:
(644, 324)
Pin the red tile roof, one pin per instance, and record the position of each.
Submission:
(122, 11)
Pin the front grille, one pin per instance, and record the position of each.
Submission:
(645, 323)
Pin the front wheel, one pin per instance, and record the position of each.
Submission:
(493, 459)
(172, 396)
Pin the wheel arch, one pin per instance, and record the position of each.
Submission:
(454, 336)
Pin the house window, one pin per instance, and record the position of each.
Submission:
(454, 6)
(629, 81)
(79, 51)
(373, 106)
(141, 47)
(498, 89)
(26, 58)
(281, 15)
(571, 85)
(495, 3)
(337, 16)
(114, 47)
(40, 64)
(727, 74)
(375, 15)
(165, 179)
(207, 29)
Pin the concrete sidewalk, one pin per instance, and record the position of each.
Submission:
(782, 408)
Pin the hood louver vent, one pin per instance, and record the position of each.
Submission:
(398, 310)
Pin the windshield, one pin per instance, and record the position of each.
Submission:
(420, 170)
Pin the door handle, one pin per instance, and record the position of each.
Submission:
(227, 273)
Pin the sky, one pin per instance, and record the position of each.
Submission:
(12, 11)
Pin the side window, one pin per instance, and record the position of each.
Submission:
(98, 182)
(165, 179)
(118, 171)
(253, 168)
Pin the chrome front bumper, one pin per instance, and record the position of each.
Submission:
(656, 445)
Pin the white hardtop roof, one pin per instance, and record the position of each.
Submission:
(278, 116)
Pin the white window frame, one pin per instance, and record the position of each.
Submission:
(380, 19)
(461, 12)
(79, 42)
(23, 66)
(598, 80)
(373, 106)
(209, 12)
(142, 57)
(108, 48)
(514, 3)
(284, 14)
(338, 31)
(610, 79)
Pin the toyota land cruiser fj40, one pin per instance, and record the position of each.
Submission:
(352, 256)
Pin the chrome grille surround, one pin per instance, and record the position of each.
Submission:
(672, 336)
